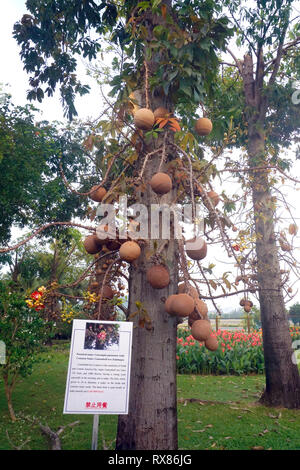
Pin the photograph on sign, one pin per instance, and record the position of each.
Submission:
(102, 336)
(99, 368)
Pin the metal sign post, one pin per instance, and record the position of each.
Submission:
(95, 432)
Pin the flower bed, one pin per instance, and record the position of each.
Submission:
(238, 353)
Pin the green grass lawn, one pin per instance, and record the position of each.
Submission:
(214, 412)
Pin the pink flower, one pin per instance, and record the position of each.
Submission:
(101, 335)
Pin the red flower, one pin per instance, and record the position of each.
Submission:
(236, 247)
(39, 307)
(36, 295)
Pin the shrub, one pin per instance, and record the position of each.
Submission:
(22, 331)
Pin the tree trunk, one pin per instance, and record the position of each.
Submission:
(282, 376)
(8, 394)
(152, 420)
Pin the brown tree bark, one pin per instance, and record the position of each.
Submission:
(152, 419)
(282, 376)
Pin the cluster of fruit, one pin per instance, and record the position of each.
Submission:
(186, 303)
(144, 119)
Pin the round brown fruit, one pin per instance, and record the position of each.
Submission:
(108, 293)
(214, 197)
(196, 248)
(285, 246)
(203, 126)
(201, 330)
(97, 193)
(129, 251)
(202, 307)
(182, 305)
(192, 291)
(92, 244)
(158, 277)
(94, 286)
(161, 183)
(247, 308)
(211, 343)
(293, 229)
(161, 112)
(194, 316)
(168, 303)
(144, 119)
(242, 302)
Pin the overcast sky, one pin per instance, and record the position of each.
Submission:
(12, 74)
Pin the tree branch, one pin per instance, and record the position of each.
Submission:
(41, 229)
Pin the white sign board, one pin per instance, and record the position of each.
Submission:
(99, 368)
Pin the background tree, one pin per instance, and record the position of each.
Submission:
(294, 313)
(34, 150)
(256, 92)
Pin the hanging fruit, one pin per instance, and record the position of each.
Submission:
(196, 248)
(202, 307)
(158, 276)
(244, 302)
(161, 112)
(108, 293)
(214, 197)
(293, 229)
(192, 291)
(144, 119)
(285, 246)
(203, 126)
(97, 193)
(94, 286)
(180, 304)
(92, 244)
(194, 316)
(161, 183)
(168, 304)
(201, 330)
(130, 251)
(211, 343)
